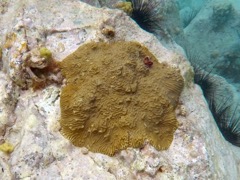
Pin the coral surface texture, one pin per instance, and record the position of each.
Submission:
(117, 96)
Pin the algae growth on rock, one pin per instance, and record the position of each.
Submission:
(114, 100)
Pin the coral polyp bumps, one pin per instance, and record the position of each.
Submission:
(114, 100)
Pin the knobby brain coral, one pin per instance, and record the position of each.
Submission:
(113, 99)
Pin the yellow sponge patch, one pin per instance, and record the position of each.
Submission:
(6, 147)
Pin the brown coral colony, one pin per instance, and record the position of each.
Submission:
(115, 98)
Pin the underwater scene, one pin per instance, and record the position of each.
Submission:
(120, 89)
